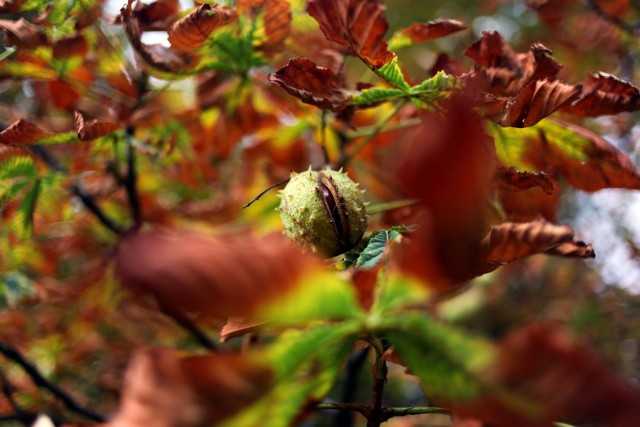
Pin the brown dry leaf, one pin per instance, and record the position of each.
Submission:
(612, 8)
(156, 16)
(604, 94)
(277, 22)
(311, 84)
(237, 327)
(155, 55)
(190, 32)
(447, 64)
(538, 100)
(425, 31)
(70, 46)
(22, 33)
(11, 6)
(358, 24)
(214, 277)
(511, 241)
(604, 166)
(22, 132)
(164, 390)
(513, 179)
(524, 205)
(93, 129)
(545, 364)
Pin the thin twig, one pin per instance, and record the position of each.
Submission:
(595, 7)
(39, 380)
(130, 181)
(77, 189)
(190, 326)
(255, 199)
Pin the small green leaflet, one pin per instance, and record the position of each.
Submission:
(392, 73)
(372, 253)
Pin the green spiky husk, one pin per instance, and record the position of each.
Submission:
(305, 219)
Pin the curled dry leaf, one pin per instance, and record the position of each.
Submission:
(277, 22)
(513, 179)
(538, 100)
(22, 132)
(357, 24)
(22, 34)
(604, 94)
(561, 378)
(237, 326)
(425, 31)
(311, 84)
(93, 129)
(211, 276)
(165, 390)
(155, 55)
(155, 16)
(190, 32)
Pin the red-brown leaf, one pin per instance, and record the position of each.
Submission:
(604, 94)
(212, 276)
(88, 131)
(22, 33)
(604, 167)
(237, 327)
(513, 179)
(165, 390)
(358, 24)
(22, 132)
(11, 6)
(548, 366)
(190, 32)
(277, 22)
(425, 31)
(155, 55)
(311, 84)
(510, 241)
(155, 16)
(70, 46)
(538, 100)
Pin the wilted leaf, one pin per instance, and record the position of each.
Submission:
(538, 100)
(311, 84)
(513, 179)
(553, 370)
(70, 46)
(165, 390)
(155, 16)
(93, 129)
(22, 132)
(512, 241)
(236, 327)
(424, 31)
(22, 34)
(604, 94)
(358, 24)
(190, 32)
(214, 277)
(277, 22)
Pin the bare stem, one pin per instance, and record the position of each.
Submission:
(39, 380)
(130, 181)
(255, 199)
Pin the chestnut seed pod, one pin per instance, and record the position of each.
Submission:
(323, 212)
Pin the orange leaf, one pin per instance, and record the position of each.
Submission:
(190, 32)
(425, 31)
(214, 277)
(604, 94)
(22, 132)
(311, 84)
(93, 129)
(237, 327)
(22, 33)
(548, 366)
(512, 179)
(358, 24)
(277, 22)
(164, 390)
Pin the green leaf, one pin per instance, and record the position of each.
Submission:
(448, 361)
(377, 94)
(399, 40)
(59, 138)
(371, 254)
(17, 166)
(27, 209)
(306, 365)
(393, 75)
(324, 296)
(396, 292)
(433, 90)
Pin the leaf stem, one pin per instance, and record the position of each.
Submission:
(262, 193)
(374, 132)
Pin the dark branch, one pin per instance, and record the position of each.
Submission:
(349, 386)
(255, 199)
(190, 326)
(130, 181)
(39, 380)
